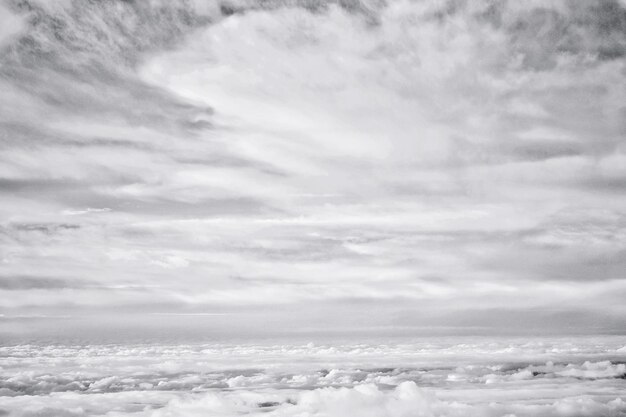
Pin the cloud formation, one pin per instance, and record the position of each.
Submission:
(482, 377)
(437, 160)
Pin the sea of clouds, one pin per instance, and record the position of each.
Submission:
(431, 377)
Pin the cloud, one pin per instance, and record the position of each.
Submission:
(30, 283)
(344, 154)
(404, 399)
(11, 24)
(88, 210)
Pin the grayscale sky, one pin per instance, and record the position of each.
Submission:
(257, 167)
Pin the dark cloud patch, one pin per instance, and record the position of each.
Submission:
(68, 63)
(573, 265)
(67, 191)
(597, 267)
(72, 38)
(29, 282)
(203, 207)
(25, 185)
(543, 34)
(233, 161)
(29, 136)
(261, 281)
(45, 228)
(512, 320)
(313, 250)
(75, 193)
(114, 143)
(554, 262)
(608, 18)
(25, 135)
(467, 154)
(604, 184)
(545, 150)
(123, 99)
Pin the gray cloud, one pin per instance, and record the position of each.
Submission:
(26, 282)
(446, 154)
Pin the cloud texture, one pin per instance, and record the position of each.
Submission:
(432, 377)
(405, 163)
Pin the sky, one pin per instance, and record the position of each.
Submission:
(264, 166)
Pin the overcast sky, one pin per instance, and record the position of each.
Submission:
(370, 165)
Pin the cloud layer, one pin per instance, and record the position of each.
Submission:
(432, 377)
(400, 163)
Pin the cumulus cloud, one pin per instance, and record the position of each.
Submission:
(482, 376)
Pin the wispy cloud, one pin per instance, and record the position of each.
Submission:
(453, 155)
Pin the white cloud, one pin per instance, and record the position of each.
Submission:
(10, 25)
(451, 157)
